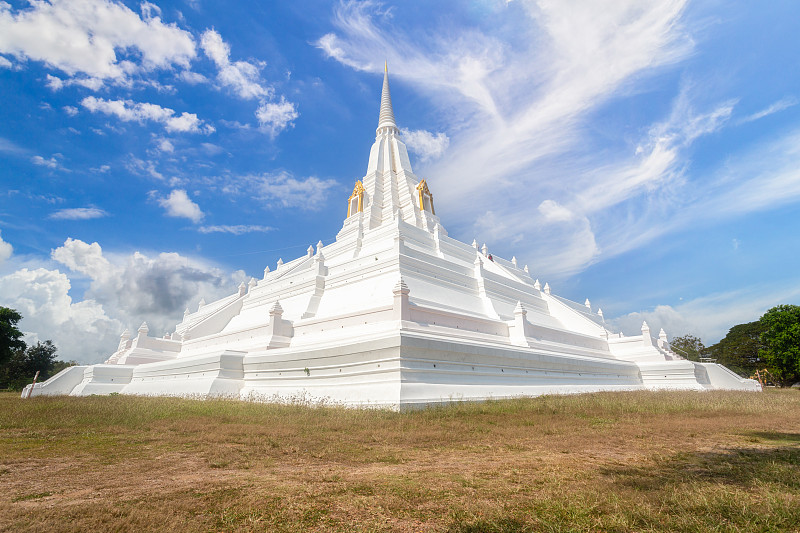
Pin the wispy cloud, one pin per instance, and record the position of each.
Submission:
(710, 316)
(78, 213)
(780, 105)
(238, 229)
(279, 189)
(425, 144)
(516, 114)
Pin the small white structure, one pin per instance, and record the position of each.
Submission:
(393, 313)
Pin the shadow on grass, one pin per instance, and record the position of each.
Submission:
(775, 436)
(743, 467)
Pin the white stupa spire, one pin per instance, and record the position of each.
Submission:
(386, 117)
(389, 192)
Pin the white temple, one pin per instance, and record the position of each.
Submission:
(393, 313)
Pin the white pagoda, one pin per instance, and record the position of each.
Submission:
(393, 313)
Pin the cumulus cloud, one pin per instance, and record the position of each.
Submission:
(274, 117)
(424, 143)
(5, 250)
(50, 162)
(81, 330)
(238, 229)
(129, 111)
(178, 204)
(139, 287)
(5, 63)
(124, 290)
(78, 213)
(84, 39)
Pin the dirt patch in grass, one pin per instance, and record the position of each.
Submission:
(639, 461)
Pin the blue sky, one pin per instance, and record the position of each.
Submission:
(645, 155)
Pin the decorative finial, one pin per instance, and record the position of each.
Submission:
(514, 260)
(588, 304)
(201, 303)
(600, 313)
(662, 335)
(485, 249)
(645, 327)
(547, 288)
(475, 243)
(280, 262)
(310, 250)
(276, 308)
(520, 309)
(266, 271)
(526, 269)
(242, 289)
(143, 329)
(537, 285)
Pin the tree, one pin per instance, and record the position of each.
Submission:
(10, 337)
(739, 350)
(22, 366)
(689, 346)
(781, 342)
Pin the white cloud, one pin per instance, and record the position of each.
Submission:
(135, 287)
(81, 330)
(178, 204)
(83, 39)
(5, 250)
(709, 317)
(5, 63)
(78, 213)
(780, 105)
(239, 229)
(51, 162)
(140, 166)
(70, 110)
(129, 111)
(425, 144)
(274, 117)
(280, 189)
(241, 76)
(164, 145)
(124, 290)
(516, 105)
(192, 78)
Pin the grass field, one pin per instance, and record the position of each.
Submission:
(642, 461)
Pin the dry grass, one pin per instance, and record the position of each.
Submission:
(600, 462)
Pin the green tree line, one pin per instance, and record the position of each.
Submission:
(771, 342)
(20, 362)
